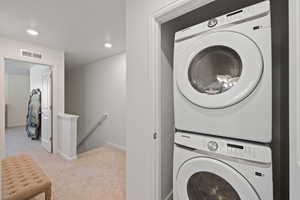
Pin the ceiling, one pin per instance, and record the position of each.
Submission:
(78, 27)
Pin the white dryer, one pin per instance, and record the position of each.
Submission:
(215, 169)
(223, 76)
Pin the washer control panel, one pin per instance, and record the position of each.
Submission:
(228, 147)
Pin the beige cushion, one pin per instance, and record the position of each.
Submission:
(22, 178)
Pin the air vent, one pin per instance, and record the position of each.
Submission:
(31, 54)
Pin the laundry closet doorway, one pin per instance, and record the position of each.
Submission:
(163, 25)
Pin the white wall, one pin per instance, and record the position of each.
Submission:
(139, 130)
(36, 74)
(94, 90)
(11, 49)
(17, 91)
(140, 97)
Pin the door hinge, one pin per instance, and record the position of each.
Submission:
(50, 139)
(155, 135)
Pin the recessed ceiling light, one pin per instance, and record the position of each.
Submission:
(32, 32)
(108, 45)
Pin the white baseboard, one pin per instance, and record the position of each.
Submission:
(120, 147)
(67, 157)
(15, 125)
(169, 196)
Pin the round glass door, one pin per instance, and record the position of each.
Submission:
(206, 185)
(215, 70)
(218, 70)
(205, 178)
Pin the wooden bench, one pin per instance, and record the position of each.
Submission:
(23, 179)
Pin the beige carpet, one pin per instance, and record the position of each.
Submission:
(96, 175)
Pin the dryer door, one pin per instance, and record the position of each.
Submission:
(219, 70)
(206, 178)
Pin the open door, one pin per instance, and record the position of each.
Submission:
(46, 126)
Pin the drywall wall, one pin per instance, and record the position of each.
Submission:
(17, 91)
(94, 90)
(139, 124)
(36, 74)
(10, 49)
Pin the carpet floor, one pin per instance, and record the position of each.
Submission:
(98, 174)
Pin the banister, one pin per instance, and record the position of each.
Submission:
(103, 118)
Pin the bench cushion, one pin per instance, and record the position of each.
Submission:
(22, 178)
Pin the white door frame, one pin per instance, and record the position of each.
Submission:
(2, 75)
(162, 15)
(294, 95)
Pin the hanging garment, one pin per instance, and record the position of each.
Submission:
(33, 120)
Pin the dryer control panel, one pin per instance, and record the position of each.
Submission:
(259, 10)
(232, 148)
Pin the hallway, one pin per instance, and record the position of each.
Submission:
(97, 174)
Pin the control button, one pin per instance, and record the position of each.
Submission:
(212, 146)
(229, 150)
(212, 23)
(254, 154)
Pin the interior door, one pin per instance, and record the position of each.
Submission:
(46, 126)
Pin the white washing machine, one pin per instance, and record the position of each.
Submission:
(220, 169)
(223, 76)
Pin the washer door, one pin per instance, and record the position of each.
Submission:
(219, 70)
(206, 178)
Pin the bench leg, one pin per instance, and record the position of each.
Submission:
(48, 194)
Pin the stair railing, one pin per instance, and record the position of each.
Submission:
(92, 130)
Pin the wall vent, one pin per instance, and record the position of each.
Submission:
(31, 54)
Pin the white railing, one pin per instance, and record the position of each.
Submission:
(92, 130)
(67, 137)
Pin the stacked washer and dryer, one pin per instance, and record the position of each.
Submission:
(223, 108)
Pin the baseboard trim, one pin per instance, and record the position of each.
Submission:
(120, 147)
(169, 196)
(67, 157)
(15, 125)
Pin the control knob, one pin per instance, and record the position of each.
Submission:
(212, 146)
(212, 23)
